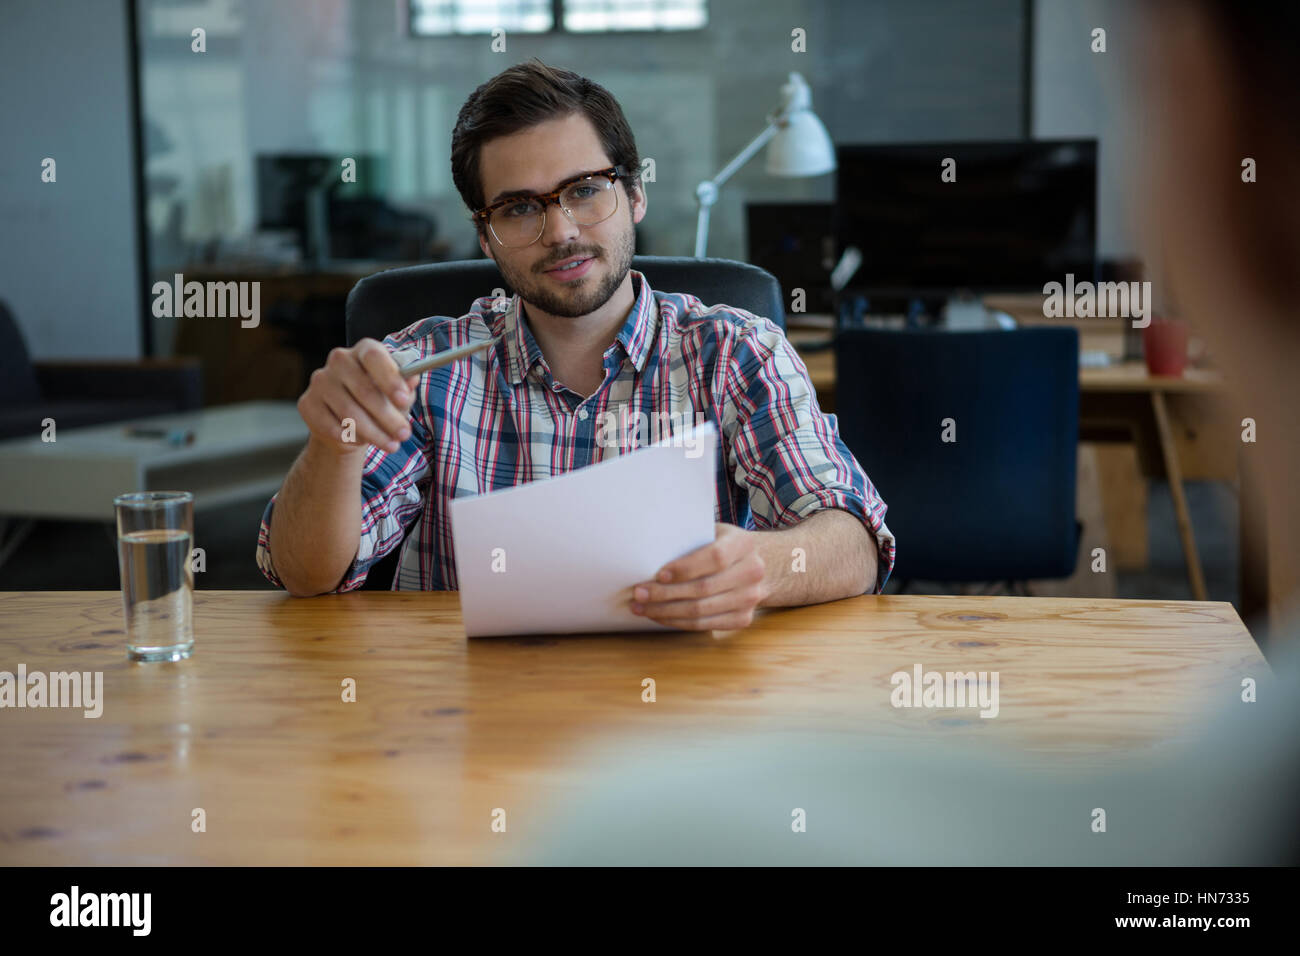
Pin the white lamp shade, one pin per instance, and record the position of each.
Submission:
(797, 145)
(802, 148)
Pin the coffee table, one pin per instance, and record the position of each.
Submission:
(239, 452)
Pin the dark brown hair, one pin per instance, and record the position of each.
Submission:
(525, 95)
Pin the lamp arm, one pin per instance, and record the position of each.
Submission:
(707, 192)
(746, 154)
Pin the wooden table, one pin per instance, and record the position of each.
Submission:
(1164, 416)
(253, 728)
(267, 361)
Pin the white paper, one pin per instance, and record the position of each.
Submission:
(572, 546)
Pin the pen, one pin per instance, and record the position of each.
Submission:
(174, 436)
(443, 358)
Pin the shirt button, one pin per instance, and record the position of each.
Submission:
(582, 414)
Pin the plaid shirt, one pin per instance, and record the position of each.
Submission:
(498, 419)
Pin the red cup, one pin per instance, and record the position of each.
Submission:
(1164, 343)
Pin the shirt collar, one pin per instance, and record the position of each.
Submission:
(521, 351)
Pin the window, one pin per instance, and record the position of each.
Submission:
(441, 17)
(451, 17)
(591, 16)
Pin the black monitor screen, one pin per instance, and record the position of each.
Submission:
(1015, 216)
(796, 243)
(284, 181)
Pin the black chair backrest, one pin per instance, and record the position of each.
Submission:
(996, 504)
(390, 301)
(18, 383)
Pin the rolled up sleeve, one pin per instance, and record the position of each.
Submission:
(785, 451)
(391, 500)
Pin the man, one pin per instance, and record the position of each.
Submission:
(546, 160)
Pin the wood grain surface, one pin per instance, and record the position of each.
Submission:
(254, 730)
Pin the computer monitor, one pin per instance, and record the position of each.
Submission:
(1015, 216)
(288, 184)
(796, 243)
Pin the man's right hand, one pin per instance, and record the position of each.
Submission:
(362, 383)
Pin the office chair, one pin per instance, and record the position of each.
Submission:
(996, 504)
(389, 301)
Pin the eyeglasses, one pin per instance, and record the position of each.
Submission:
(586, 200)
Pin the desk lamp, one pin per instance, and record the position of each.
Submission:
(800, 147)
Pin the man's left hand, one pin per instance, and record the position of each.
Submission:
(716, 587)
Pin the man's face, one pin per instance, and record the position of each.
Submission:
(537, 160)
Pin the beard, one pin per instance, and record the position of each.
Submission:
(583, 296)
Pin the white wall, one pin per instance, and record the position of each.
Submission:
(1079, 93)
(68, 264)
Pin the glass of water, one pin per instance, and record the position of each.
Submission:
(155, 531)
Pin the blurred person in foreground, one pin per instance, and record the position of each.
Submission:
(1218, 84)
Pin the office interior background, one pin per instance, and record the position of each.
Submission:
(208, 164)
